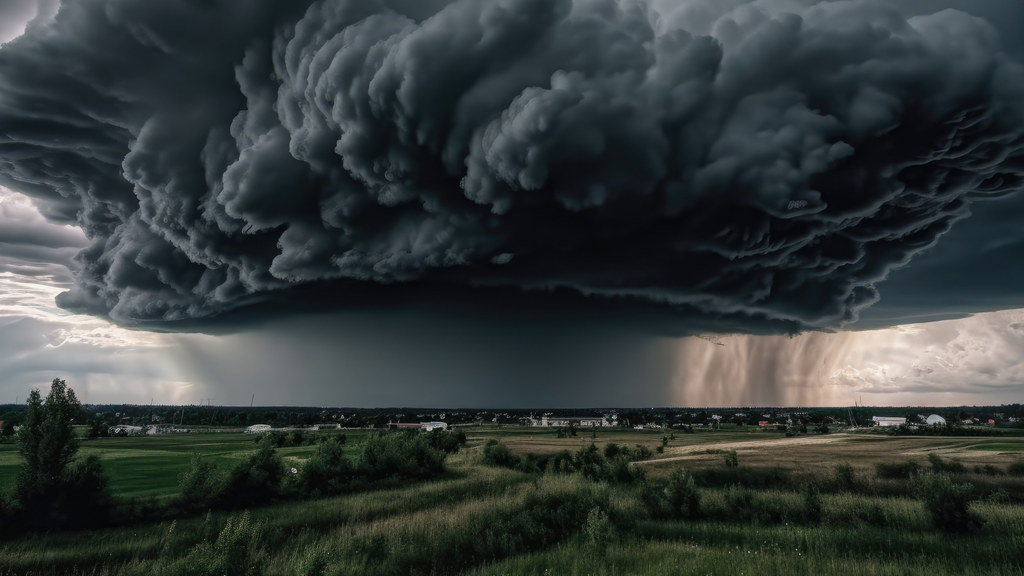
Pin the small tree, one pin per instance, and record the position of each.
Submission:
(731, 459)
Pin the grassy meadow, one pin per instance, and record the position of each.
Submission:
(720, 502)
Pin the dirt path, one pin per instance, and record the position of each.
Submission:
(685, 452)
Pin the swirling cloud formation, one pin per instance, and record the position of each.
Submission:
(766, 160)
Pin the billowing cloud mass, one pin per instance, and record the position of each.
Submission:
(762, 161)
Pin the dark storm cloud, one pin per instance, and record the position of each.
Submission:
(772, 167)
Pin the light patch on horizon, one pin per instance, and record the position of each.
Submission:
(103, 362)
(966, 361)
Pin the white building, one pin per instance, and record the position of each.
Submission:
(935, 419)
(126, 430)
(429, 426)
(565, 422)
(888, 421)
(257, 429)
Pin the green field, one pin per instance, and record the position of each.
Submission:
(1001, 446)
(148, 466)
(809, 504)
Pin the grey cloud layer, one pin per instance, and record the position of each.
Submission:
(769, 160)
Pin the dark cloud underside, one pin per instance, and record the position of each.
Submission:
(771, 168)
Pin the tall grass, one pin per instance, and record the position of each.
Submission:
(483, 519)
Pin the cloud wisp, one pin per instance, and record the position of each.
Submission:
(765, 163)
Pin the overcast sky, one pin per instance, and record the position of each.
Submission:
(524, 203)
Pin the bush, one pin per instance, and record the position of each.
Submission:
(200, 486)
(598, 530)
(403, 454)
(445, 441)
(497, 454)
(948, 503)
(326, 471)
(988, 470)
(747, 477)
(845, 478)
(731, 459)
(897, 470)
(682, 496)
(256, 480)
(611, 450)
(940, 465)
(812, 505)
(588, 461)
(1016, 469)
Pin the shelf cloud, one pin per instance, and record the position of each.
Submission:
(763, 165)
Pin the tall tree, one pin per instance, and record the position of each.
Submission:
(47, 438)
(52, 490)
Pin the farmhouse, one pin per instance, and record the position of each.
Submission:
(888, 421)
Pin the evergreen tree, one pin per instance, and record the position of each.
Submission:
(50, 491)
(47, 438)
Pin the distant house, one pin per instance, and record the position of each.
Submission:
(257, 429)
(888, 421)
(934, 420)
(429, 426)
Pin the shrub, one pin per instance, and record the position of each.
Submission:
(315, 561)
(445, 441)
(598, 530)
(588, 461)
(200, 486)
(87, 499)
(845, 478)
(682, 496)
(497, 454)
(988, 470)
(748, 477)
(941, 465)
(256, 480)
(403, 454)
(739, 504)
(731, 459)
(812, 505)
(611, 450)
(948, 503)
(1016, 469)
(897, 470)
(326, 471)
